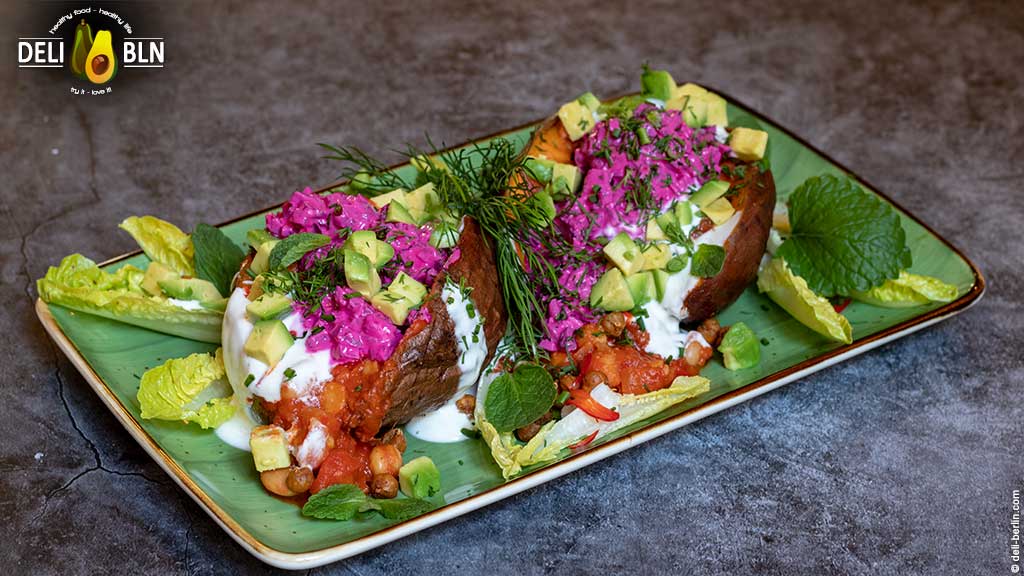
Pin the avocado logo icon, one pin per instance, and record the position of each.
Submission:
(80, 51)
(100, 64)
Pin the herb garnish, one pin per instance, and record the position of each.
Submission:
(843, 238)
(217, 258)
(345, 501)
(518, 398)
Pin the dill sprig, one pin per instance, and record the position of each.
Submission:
(488, 183)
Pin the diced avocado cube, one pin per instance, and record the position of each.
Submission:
(667, 220)
(409, 288)
(655, 256)
(261, 261)
(257, 287)
(565, 180)
(683, 212)
(642, 288)
(624, 253)
(589, 100)
(384, 199)
(657, 84)
(611, 292)
(366, 243)
(660, 280)
(155, 273)
(444, 235)
(719, 211)
(217, 305)
(360, 274)
(654, 231)
(422, 201)
(397, 212)
(740, 347)
(695, 112)
(423, 163)
(717, 114)
(257, 236)
(690, 89)
(419, 478)
(269, 306)
(577, 119)
(190, 289)
(385, 252)
(711, 190)
(361, 181)
(540, 169)
(268, 341)
(748, 144)
(545, 205)
(394, 306)
(269, 446)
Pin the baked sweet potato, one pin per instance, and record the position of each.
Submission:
(754, 199)
(423, 372)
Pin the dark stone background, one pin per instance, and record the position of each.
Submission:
(899, 461)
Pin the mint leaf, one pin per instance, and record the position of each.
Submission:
(217, 258)
(291, 249)
(403, 508)
(337, 502)
(844, 239)
(518, 398)
(345, 501)
(707, 261)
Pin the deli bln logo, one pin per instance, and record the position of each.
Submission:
(94, 44)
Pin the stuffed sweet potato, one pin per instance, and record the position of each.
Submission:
(354, 315)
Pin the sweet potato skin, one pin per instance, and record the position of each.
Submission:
(423, 372)
(744, 248)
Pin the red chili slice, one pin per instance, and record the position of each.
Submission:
(584, 401)
(841, 306)
(584, 366)
(584, 442)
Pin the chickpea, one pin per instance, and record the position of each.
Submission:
(383, 486)
(613, 324)
(276, 481)
(396, 438)
(693, 353)
(711, 330)
(530, 430)
(300, 478)
(466, 404)
(385, 459)
(593, 379)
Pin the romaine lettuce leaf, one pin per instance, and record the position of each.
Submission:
(192, 389)
(78, 283)
(907, 290)
(163, 242)
(556, 436)
(792, 293)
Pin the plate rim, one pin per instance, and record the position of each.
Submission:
(329, 554)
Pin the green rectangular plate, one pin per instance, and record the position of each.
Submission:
(111, 356)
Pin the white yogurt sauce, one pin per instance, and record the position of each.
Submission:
(189, 305)
(310, 368)
(235, 432)
(681, 283)
(446, 423)
(313, 450)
